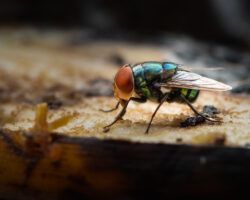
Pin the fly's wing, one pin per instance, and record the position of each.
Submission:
(185, 79)
(188, 69)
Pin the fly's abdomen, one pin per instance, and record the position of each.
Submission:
(190, 94)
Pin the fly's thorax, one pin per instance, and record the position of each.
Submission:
(140, 87)
(144, 75)
(148, 73)
(152, 71)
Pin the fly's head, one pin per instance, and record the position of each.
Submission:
(124, 84)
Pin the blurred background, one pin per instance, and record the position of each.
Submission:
(110, 33)
(221, 21)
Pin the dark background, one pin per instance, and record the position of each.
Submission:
(223, 21)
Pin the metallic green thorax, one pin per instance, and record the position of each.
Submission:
(148, 74)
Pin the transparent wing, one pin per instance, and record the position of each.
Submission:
(193, 69)
(185, 79)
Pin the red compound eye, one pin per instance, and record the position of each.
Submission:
(124, 82)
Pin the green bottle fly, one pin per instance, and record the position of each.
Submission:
(160, 82)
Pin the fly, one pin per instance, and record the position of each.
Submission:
(160, 82)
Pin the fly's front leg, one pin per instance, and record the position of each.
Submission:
(118, 117)
(123, 111)
(115, 108)
(196, 112)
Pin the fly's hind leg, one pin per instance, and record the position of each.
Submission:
(113, 109)
(196, 112)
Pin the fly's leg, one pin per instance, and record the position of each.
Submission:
(196, 112)
(163, 99)
(123, 111)
(115, 108)
(118, 117)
